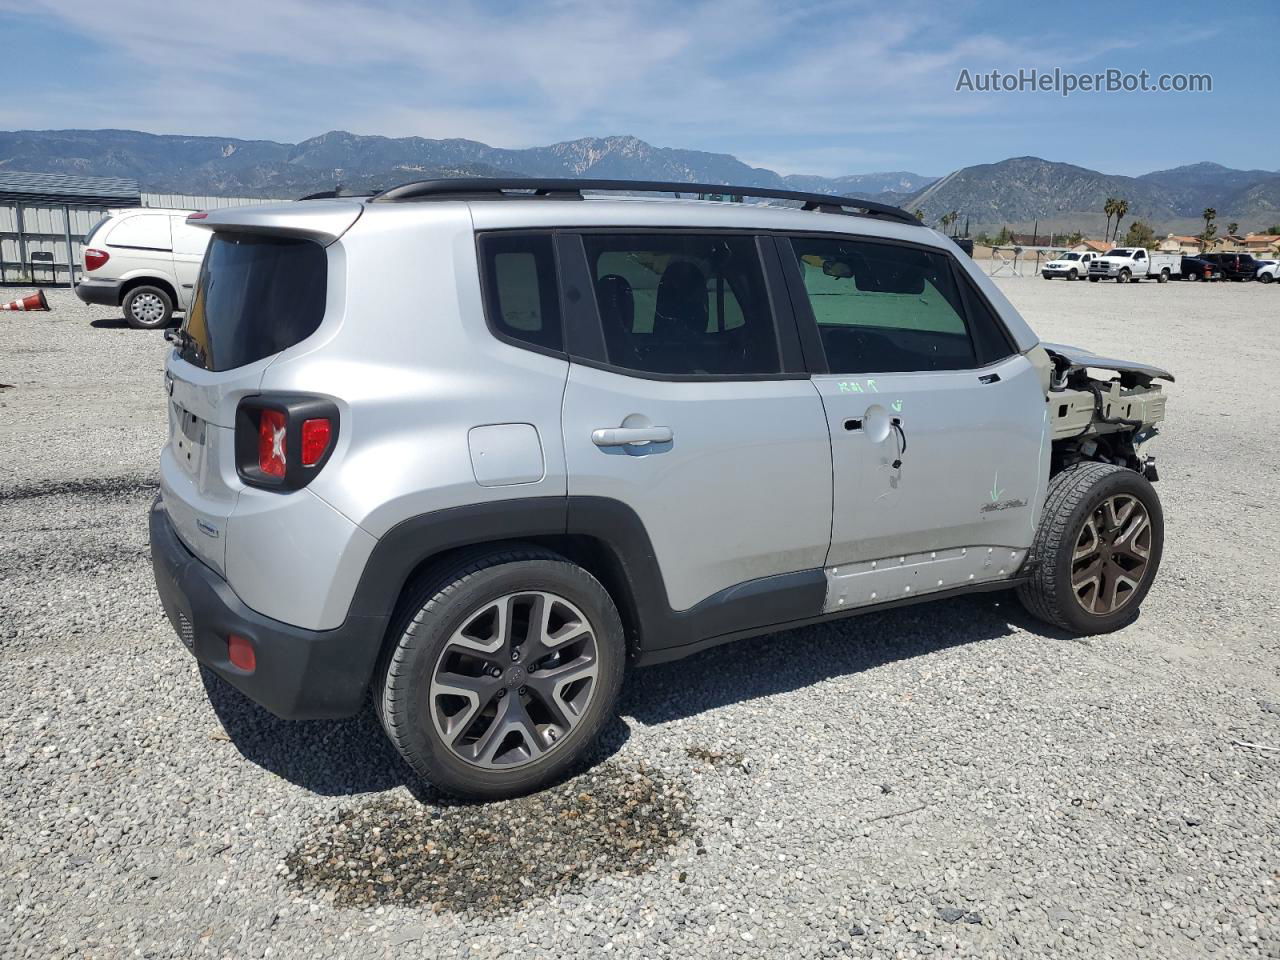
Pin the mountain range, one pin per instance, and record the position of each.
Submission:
(1014, 192)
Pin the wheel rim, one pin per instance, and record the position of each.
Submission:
(514, 680)
(1111, 555)
(147, 308)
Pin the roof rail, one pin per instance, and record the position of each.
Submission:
(492, 188)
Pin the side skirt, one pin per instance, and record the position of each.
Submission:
(648, 658)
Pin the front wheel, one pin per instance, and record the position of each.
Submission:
(1266, 278)
(1097, 549)
(503, 673)
(147, 308)
(1073, 275)
(1124, 276)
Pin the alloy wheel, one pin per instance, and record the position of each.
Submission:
(514, 679)
(1111, 554)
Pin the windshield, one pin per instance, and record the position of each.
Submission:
(1071, 256)
(257, 295)
(1120, 252)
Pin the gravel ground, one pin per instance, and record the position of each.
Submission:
(950, 779)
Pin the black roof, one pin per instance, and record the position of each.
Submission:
(486, 188)
(59, 188)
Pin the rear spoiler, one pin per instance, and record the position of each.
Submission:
(323, 221)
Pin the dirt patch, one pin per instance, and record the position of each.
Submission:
(492, 858)
(110, 487)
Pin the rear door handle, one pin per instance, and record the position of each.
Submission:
(621, 436)
(989, 378)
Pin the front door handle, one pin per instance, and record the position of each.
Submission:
(621, 436)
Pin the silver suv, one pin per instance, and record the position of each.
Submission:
(473, 446)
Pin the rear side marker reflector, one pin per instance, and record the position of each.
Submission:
(240, 653)
(315, 441)
(272, 428)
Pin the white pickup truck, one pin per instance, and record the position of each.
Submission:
(1125, 264)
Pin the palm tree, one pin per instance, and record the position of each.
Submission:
(920, 214)
(1206, 238)
(1122, 207)
(1109, 208)
(1232, 228)
(947, 219)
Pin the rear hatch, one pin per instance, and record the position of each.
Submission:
(261, 290)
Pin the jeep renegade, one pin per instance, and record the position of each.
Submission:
(473, 446)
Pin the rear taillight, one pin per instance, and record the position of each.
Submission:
(93, 259)
(272, 431)
(283, 441)
(315, 440)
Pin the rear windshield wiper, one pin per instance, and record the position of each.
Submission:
(179, 338)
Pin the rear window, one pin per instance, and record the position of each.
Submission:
(257, 295)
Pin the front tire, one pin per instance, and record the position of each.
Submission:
(503, 672)
(147, 308)
(1073, 275)
(1097, 549)
(1266, 278)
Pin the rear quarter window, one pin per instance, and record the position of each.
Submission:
(141, 231)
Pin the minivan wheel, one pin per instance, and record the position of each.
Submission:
(503, 671)
(147, 308)
(1097, 549)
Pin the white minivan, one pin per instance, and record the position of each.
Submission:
(145, 260)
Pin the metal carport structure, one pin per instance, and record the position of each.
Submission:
(44, 218)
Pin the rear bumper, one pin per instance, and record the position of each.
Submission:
(103, 293)
(299, 675)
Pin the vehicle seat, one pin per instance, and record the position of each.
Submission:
(680, 317)
(617, 304)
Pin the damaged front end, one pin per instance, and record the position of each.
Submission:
(1109, 420)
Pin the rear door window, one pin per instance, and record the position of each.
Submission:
(257, 295)
(683, 304)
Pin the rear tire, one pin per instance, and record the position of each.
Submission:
(1089, 578)
(1164, 276)
(475, 692)
(147, 308)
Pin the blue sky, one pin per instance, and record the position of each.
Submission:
(802, 87)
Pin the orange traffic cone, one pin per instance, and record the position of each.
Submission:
(34, 302)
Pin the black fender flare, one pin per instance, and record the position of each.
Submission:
(754, 606)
